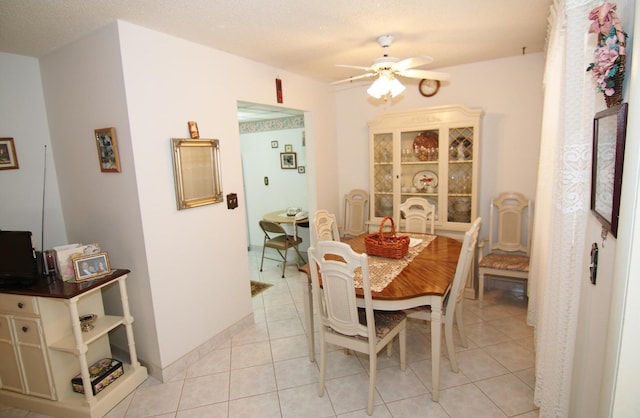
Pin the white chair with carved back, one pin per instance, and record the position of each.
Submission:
(507, 253)
(419, 215)
(342, 323)
(452, 309)
(355, 212)
(325, 226)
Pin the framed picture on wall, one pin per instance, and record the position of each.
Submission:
(107, 145)
(288, 148)
(8, 156)
(288, 160)
(274, 144)
(609, 135)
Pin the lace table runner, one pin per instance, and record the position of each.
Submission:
(382, 270)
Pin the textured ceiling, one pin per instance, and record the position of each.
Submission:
(304, 37)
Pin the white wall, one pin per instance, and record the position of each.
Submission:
(23, 117)
(286, 188)
(509, 91)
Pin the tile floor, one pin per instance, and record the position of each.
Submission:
(265, 372)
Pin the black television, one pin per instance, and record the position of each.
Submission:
(18, 260)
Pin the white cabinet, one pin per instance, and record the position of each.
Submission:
(431, 153)
(45, 347)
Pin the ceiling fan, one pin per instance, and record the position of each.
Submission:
(387, 69)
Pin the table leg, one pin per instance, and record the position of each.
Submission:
(436, 337)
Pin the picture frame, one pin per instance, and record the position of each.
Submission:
(274, 144)
(288, 148)
(107, 145)
(65, 255)
(609, 136)
(196, 171)
(8, 155)
(288, 160)
(89, 267)
(301, 169)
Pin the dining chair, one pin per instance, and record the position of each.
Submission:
(355, 212)
(342, 323)
(419, 214)
(452, 308)
(325, 226)
(507, 253)
(275, 237)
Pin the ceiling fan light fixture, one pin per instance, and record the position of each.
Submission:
(385, 84)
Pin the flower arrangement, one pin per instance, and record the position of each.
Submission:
(608, 65)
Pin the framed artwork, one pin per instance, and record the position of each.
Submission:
(107, 145)
(8, 156)
(274, 144)
(288, 148)
(609, 134)
(288, 160)
(301, 169)
(196, 172)
(91, 266)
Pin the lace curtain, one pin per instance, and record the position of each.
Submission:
(562, 203)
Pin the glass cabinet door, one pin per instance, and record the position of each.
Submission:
(383, 175)
(460, 172)
(419, 159)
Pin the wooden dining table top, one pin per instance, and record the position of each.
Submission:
(430, 273)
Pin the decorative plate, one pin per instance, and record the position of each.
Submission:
(423, 178)
(423, 142)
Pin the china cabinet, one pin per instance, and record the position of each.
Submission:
(431, 153)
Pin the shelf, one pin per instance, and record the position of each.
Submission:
(101, 327)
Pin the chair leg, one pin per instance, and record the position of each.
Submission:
(448, 336)
(262, 260)
(373, 367)
(284, 262)
(403, 349)
(323, 364)
(480, 286)
(460, 324)
(300, 257)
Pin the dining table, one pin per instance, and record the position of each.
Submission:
(282, 217)
(425, 280)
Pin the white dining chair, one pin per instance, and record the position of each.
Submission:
(342, 323)
(325, 226)
(419, 215)
(355, 212)
(453, 300)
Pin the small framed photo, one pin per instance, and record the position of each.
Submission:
(301, 169)
(288, 148)
(107, 145)
(8, 156)
(91, 266)
(274, 144)
(288, 160)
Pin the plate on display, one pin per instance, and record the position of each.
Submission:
(424, 178)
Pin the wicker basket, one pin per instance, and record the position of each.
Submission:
(618, 79)
(387, 245)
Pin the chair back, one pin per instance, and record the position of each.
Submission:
(419, 215)
(325, 226)
(337, 263)
(463, 268)
(271, 227)
(355, 212)
(510, 218)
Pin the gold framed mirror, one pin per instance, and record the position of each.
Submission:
(196, 171)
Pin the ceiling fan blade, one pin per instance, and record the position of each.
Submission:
(357, 67)
(412, 62)
(357, 77)
(424, 74)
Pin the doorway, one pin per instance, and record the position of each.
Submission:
(272, 181)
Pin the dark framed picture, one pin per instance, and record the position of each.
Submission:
(107, 145)
(301, 169)
(274, 144)
(91, 266)
(288, 160)
(609, 135)
(8, 156)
